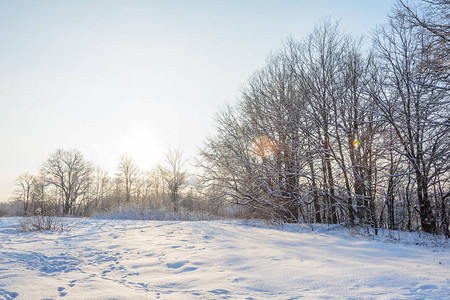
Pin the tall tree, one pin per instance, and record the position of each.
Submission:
(128, 174)
(99, 189)
(24, 191)
(174, 174)
(417, 111)
(323, 61)
(70, 173)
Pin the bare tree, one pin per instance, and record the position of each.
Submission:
(433, 17)
(156, 181)
(24, 191)
(99, 189)
(324, 55)
(175, 176)
(416, 110)
(70, 173)
(128, 174)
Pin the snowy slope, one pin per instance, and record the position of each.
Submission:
(117, 259)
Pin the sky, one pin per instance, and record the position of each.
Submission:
(138, 77)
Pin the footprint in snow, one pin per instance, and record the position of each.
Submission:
(219, 292)
(180, 264)
(8, 295)
(61, 291)
(105, 272)
(176, 265)
(428, 287)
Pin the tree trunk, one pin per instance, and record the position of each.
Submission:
(427, 220)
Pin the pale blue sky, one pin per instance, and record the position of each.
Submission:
(136, 77)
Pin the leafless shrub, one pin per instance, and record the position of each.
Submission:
(40, 223)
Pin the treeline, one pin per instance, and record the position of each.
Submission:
(68, 184)
(332, 132)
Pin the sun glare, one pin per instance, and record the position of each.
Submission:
(143, 144)
(263, 146)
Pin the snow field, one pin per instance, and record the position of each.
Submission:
(120, 259)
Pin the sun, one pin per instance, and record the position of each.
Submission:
(143, 144)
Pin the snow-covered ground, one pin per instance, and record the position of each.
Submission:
(117, 259)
